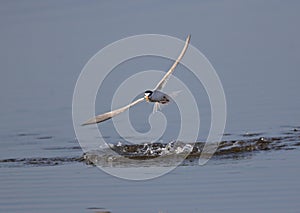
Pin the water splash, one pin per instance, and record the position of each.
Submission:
(164, 154)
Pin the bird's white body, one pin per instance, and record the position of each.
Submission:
(157, 97)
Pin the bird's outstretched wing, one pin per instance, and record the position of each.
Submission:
(164, 80)
(109, 115)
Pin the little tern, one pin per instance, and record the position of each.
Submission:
(155, 95)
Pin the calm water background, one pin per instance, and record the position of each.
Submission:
(254, 47)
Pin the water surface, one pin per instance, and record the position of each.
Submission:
(254, 47)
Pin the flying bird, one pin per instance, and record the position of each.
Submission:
(155, 96)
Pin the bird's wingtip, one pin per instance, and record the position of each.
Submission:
(84, 124)
(88, 122)
(189, 37)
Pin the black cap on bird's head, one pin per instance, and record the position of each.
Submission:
(147, 94)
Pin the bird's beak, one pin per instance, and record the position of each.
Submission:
(146, 97)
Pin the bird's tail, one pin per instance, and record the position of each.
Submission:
(174, 94)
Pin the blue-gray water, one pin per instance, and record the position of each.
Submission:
(254, 47)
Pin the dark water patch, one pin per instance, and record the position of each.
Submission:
(44, 137)
(38, 161)
(98, 210)
(297, 144)
(34, 135)
(63, 148)
(27, 134)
